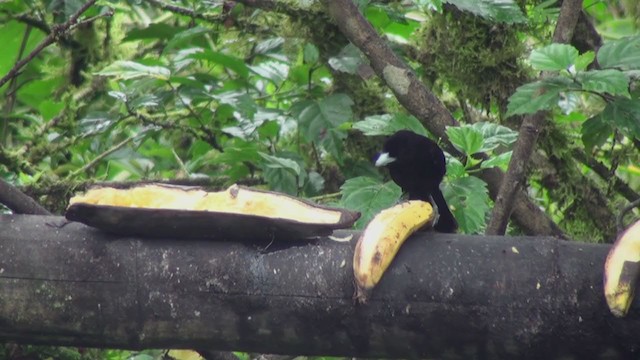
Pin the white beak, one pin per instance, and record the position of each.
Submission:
(384, 159)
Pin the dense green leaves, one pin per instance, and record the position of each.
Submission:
(481, 137)
(319, 121)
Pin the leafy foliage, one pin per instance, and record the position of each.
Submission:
(617, 59)
(368, 196)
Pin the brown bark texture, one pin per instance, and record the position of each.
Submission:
(445, 296)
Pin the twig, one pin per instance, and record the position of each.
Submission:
(98, 158)
(324, 197)
(183, 11)
(601, 170)
(57, 31)
(620, 219)
(528, 134)
(11, 92)
(210, 136)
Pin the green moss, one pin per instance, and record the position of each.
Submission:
(472, 57)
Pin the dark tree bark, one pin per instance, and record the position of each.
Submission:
(445, 296)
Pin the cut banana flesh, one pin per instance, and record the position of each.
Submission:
(621, 271)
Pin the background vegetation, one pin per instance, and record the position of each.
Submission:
(272, 94)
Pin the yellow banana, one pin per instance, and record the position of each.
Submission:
(621, 271)
(381, 239)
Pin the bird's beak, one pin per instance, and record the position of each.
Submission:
(384, 159)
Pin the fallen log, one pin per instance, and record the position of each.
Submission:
(445, 296)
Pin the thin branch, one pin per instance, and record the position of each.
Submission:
(528, 135)
(57, 31)
(601, 170)
(209, 135)
(183, 11)
(324, 197)
(110, 151)
(11, 92)
(620, 219)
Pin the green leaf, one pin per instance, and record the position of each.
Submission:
(624, 114)
(501, 161)
(498, 10)
(274, 162)
(269, 129)
(283, 172)
(273, 71)
(377, 16)
(186, 36)
(623, 54)
(387, 124)
(229, 62)
(465, 139)
(455, 168)
(611, 81)
(50, 108)
(281, 180)
(311, 54)
(123, 69)
(269, 46)
(538, 95)
(11, 37)
(314, 184)
(348, 60)
(494, 135)
(316, 118)
(369, 196)
(469, 199)
(332, 141)
(237, 153)
(584, 60)
(595, 131)
(554, 57)
(571, 117)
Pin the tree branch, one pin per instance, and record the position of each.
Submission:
(57, 31)
(19, 202)
(444, 296)
(528, 134)
(601, 170)
(182, 11)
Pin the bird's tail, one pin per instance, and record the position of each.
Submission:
(446, 222)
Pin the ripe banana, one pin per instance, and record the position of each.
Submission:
(381, 239)
(621, 271)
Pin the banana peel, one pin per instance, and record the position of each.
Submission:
(382, 238)
(622, 270)
(238, 212)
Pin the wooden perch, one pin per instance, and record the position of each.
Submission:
(445, 296)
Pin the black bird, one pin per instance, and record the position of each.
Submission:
(417, 164)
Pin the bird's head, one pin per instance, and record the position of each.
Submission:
(397, 148)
